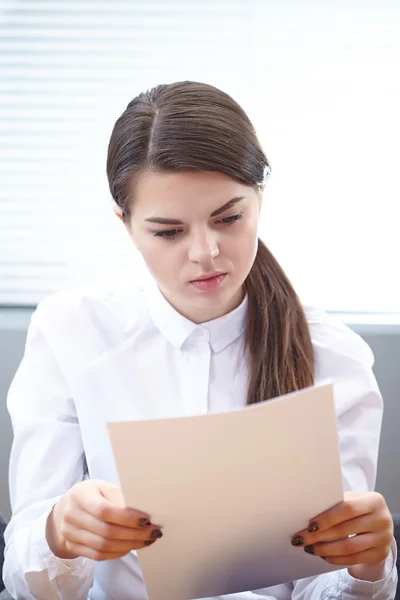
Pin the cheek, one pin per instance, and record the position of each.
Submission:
(243, 247)
(152, 255)
(161, 258)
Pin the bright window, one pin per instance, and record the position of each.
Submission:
(319, 80)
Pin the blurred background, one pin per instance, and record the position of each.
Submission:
(320, 81)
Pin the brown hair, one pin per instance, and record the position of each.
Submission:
(192, 126)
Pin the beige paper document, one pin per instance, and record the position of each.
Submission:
(230, 490)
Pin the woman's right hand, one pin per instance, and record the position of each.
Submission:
(91, 520)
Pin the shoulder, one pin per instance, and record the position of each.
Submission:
(344, 358)
(111, 310)
(335, 342)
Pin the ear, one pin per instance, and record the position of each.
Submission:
(260, 199)
(118, 212)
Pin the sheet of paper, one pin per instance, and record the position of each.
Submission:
(230, 490)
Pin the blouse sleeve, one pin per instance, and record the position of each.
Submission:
(342, 356)
(47, 459)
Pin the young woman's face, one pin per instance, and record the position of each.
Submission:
(193, 226)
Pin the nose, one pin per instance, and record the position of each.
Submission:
(203, 248)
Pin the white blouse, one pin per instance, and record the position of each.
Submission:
(117, 353)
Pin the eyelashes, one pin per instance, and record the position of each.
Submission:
(167, 234)
(232, 219)
(170, 234)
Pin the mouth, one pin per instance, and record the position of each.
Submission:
(209, 282)
(207, 277)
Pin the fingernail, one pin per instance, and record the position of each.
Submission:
(313, 526)
(298, 540)
(309, 549)
(144, 522)
(156, 533)
(149, 542)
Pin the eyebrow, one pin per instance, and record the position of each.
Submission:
(219, 211)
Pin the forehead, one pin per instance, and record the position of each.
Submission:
(184, 191)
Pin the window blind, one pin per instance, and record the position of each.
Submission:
(318, 82)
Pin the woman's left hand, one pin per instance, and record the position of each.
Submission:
(362, 515)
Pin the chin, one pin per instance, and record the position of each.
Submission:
(216, 298)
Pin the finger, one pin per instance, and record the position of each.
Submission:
(355, 505)
(111, 492)
(351, 527)
(96, 542)
(106, 503)
(85, 521)
(103, 545)
(345, 547)
(106, 512)
(368, 556)
(113, 496)
(82, 550)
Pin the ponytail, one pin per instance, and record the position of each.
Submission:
(277, 338)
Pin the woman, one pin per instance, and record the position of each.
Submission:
(187, 175)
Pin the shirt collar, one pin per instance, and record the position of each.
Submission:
(181, 331)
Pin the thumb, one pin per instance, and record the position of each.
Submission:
(112, 496)
(111, 493)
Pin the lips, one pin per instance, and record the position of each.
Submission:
(207, 277)
(212, 282)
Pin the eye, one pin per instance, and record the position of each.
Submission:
(232, 219)
(169, 234)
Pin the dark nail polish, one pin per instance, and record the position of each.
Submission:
(309, 549)
(149, 542)
(313, 526)
(156, 533)
(144, 522)
(298, 540)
